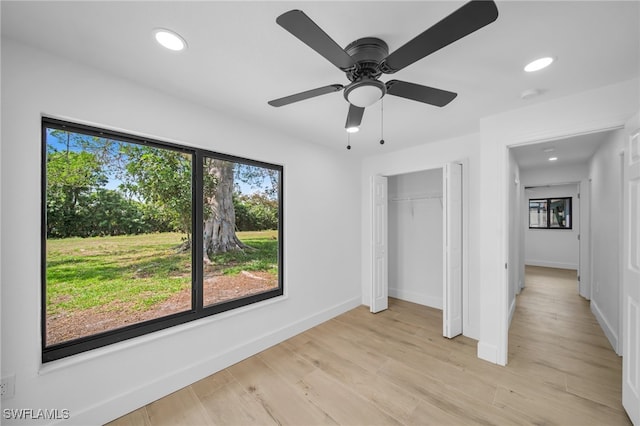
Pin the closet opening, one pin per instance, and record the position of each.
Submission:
(415, 213)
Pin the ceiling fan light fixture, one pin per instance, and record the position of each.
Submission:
(539, 64)
(352, 129)
(169, 39)
(364, 93)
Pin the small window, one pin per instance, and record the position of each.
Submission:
(140, 235)
(550, 213)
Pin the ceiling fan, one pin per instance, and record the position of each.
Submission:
(366, 59)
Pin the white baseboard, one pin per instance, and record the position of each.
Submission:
(611, 334)
(174, 380)
(551, 264)
(419, 298)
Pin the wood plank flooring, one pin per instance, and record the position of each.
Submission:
(395, 368)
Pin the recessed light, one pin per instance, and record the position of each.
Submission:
(353, 129)
(553, 158)
(169, 39)
(538, 64)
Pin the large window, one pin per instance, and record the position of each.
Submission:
(550, 213)
(140, 235)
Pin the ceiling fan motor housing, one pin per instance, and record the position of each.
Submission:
(365, 88)
(367, 53)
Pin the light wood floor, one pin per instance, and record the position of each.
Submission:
(396, 368)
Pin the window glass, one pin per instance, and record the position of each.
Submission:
(240, 230)
(537, 213)
(117, 234)
(123, 220)
(550, 213)
(560, 213)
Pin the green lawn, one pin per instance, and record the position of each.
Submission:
(263, 258)
(137, 270)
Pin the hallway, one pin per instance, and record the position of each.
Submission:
(555, 336)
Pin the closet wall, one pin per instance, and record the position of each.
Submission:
(415, 237)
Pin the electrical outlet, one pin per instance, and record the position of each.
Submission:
(8, 386)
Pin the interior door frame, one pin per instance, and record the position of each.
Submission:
(621, 249)
(465, 233)
(503, 348)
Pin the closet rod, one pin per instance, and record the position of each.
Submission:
(428, 197)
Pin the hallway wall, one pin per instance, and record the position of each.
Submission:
(606, 205)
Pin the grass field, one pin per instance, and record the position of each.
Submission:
(138, 270)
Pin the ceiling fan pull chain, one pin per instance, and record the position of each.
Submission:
(381, 121)
(348, 140)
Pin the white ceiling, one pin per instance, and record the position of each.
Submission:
(238, 58)
(573, 150)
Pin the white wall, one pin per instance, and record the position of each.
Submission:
(553, 248)
(424, 157)
(605, 171)
(321, 276)
(603, 108)
(415, 237)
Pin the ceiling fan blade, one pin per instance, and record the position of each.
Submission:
(307, 31)
(354, 118)
(417, 92)
(306, 95)
(467, 19)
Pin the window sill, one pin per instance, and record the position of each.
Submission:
(74, 360)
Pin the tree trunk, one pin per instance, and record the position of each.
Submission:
(220, 217)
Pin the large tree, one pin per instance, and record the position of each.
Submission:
(163, 177)
(219, 213)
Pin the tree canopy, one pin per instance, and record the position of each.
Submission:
(98, 186)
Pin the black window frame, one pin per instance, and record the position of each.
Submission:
(548, 201)
(197, 311)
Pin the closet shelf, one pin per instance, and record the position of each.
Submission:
(425, 197)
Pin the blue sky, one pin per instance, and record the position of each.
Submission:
(60, 144)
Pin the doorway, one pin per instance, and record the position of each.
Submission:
(591, 179)
(417, 235)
